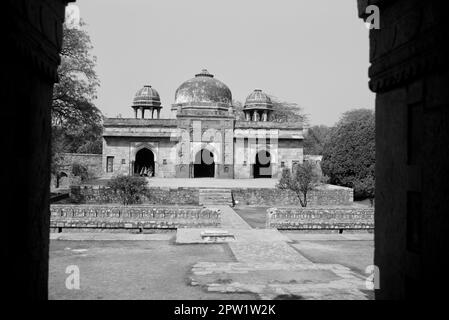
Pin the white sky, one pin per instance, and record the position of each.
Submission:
(314, 53)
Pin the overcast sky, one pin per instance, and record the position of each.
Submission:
(314, 53)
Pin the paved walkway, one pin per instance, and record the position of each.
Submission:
(106, 236)
(269, 267)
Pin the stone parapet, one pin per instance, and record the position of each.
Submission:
(326, 195)
(131, 217)
(325, 218)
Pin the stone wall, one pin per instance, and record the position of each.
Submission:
(324, 195)
(131, 217)
(93, 162)
(164, 196)
(335, 218)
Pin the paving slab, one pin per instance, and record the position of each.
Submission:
(276, 279)
(104, 236)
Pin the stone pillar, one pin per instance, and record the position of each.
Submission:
(31, 38)
(135, 113)
(152, 113)
(247, 116)
(410, 75)
(142, 112)
(159, 113)
(264, 116)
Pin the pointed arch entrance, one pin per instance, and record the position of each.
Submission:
(204, 165)
(144, 163)
(262, 165)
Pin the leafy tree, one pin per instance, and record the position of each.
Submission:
(284, 111)
(130, 189)
(81, 171)
(315, 139)
(76, 122)
(303, 179)
(349, 155)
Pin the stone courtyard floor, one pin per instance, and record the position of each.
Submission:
(258, 264)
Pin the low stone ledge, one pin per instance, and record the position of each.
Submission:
(321, 218)
(132, 217)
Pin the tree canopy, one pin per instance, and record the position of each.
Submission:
(283, 111)
(315, 139)
(349, 154)
(76, 121)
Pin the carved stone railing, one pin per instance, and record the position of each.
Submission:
(334, 218)
(131, 217)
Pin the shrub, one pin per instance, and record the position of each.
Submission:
(129, 189)
(79, 170)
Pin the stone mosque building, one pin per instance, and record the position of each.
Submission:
(205, 139)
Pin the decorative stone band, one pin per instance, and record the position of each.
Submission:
(37, 33)
(335, 218)
(131, 217)
(408, 47)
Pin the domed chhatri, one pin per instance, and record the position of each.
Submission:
(202, 93)
(258, 106)
(147, 98)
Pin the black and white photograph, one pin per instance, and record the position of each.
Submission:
(235, 158)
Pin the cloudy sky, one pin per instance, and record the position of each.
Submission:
(314, 53)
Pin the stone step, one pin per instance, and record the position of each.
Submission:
(215, 196)
(216, 192)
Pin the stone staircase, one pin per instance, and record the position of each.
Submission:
(215, 196)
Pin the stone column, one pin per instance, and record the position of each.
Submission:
(135, 113)
(142, 112)
(31, 38)
(410, 75)
(152, 113)
(158, 113)
(264, 116)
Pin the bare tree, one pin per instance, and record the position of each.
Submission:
(303, 179)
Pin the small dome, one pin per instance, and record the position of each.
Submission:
(203, 90)
(258, 100)
(147, 97)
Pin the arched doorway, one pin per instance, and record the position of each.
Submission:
(62, 180)
(262, 167)
(204, 166)
(144, 163)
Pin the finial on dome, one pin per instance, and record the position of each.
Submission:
(204, 73)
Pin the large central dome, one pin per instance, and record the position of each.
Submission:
(203, 91)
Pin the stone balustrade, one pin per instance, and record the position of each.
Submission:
(131, 217)
(324, 218)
